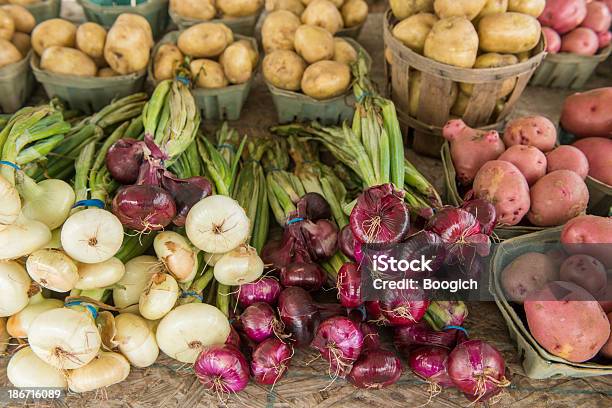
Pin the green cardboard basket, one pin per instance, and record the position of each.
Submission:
(16, 84)
(45, 10)
(239, 25)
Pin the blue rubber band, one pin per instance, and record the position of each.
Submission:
(89, 203)
(456, 328)
(92, 310)
(10, 164)
(294, 220)
(193, 294)
(362, 96)
(182, 79)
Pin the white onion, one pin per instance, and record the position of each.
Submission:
(239, 266)
(177, 254)
(23, 237)
(105, 370)
(100, 275)
(183, 332)
(52, 269)
(159, 297)
(49, 201)
(92, 235)
(136, 340)
(217, 224)
(14, 287)
(65, 338)
(25, 369)
(11, 203)
(19, 323)
(138, 272)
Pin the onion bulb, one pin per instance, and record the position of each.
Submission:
(4, 335)
(217, 224)
(49, 201)
(239, 266)
(138, 272)
(136, 340)
(52, 269)
(99, 275)
(184, 331)
(18, 324)
(14, 287)
(23, 237)
(104, 370)
(92, 235)
(11, 203)
(25, 369)
(65, 338)
(177, 254)
(159, 297)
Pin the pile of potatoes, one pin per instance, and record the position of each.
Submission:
(205, 10)
(305, 57)
(16, 24)
(333, 15)
(215, 59)
(523, 174)
(89, 51)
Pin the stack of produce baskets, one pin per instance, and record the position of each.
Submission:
(16, 84)
(45, 9)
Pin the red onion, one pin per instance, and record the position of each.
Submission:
(403, 306)
(371, 338)
(277, 254)
(222, 369)
(477, 369)
(446, 313)
(123, 160)
(266, 289)
(270, 361)
(349, 285)
(186, 193)
(308, 276)
(380, 215)
(299, 313)
(375, 369)
(406, 338)
(259, 322)
(484, 212)
(430, 363)
(358, 252)
(313, 206)
(233, 339)
(346, 241)
(427, 244)
(320, 238)
(339, 341)
(144, 207)
(327, 310)
(375, 314)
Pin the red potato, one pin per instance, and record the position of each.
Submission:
(567, 321)
(581, 233)
(503, 185)
(557, 256)
(586, 272)
(535, 131)
(528, 159)
(608, 3)
(588, 114)
(470, 148)
(598, 152)
(553, 40)
(567, 158)
(605, 297)
(606, 350)
(557, 198)
(604, 39)
(527, 273)
(563, 15)
(598, 17)
(581, 41)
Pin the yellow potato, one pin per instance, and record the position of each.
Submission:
(354, 12)
(54, 32)
(337, 3)
(458, 8)
(239, 8)
(508, 33)
(9, 54)
(7, 25)
(413, 31)
(326, 79)
(90, 38)
(499, 107)
(278, 30)
(344, 52)
(523, 56)
(494, 6)
(167, 59)
(324, 14)
(284, 69)
(136, 20)
(107, 73)
(205, 40)
(405, 8)
(493, 60)
(531, 7)
(208, 74)
(194, 9)
(126, 49)
(69, 61)
(452, 41)
(254, 55)
(237, 63)
(22, 42)
(314, 43)
(23, 19)
(460, 104)
(294, 6)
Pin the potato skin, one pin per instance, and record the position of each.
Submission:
(587, 114)
(405, 8)
(167, 59)
(22, 41)
(239, 8)
(284, 69)
(237, 63)
(107, 73)
(24, 20)
(581, 41)
(492, 7)
(536, 131)
(326, 79)
(314, 43)
(354, 12)
(205, 40)
(9, 54)
(413, 31)
(195, 9)
(452, 41)
(323, 13)
(53, 32)
(136, 20)
(69, 61)
(528, 159)
(598, 151)
(208, 74)
(90, 38)
(126, 49)
(530, 7)
(586, 272)
(567, 157)
(253, 53)
(493, 60)
(527, 273)
(453, 8)
(344, 52)
(278, 30)
(508, 33)
(294, 6)
(7, 25)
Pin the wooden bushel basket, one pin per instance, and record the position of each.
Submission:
(437, 79)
